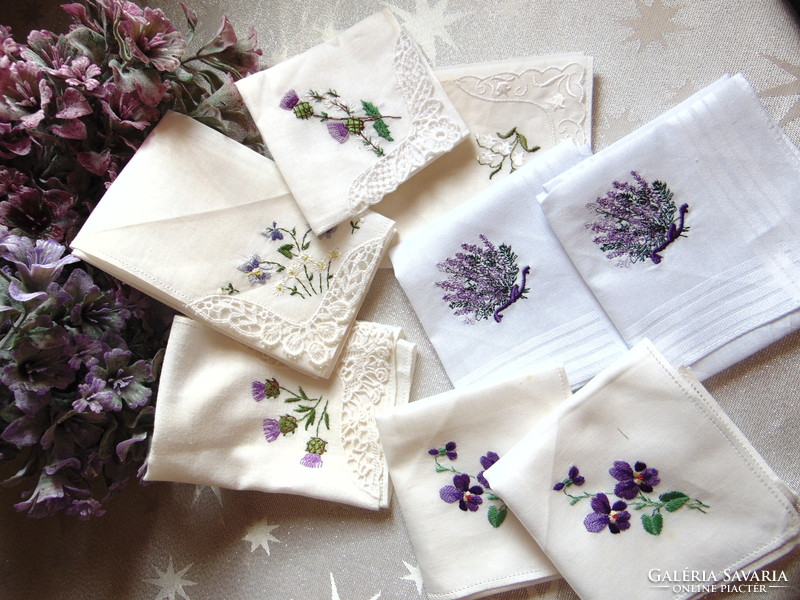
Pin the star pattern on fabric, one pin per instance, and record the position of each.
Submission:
(652, 24)
(617, 127)
(791, 88)
(682, 92)
(415, 575)
(260, 535)
(199, 489)
(429, 22)
(171, 582)
(335, 592)
(327, 32)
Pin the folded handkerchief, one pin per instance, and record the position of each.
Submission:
(467, 543)
(494, 290)
(349, 120)
(208, 227)
(513, 109)
(231, 417)
(684, 229)
(641, 487)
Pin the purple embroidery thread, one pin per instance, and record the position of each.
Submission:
(633, 482)
(637, 221)
(482, 281)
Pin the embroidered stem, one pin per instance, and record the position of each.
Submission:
(517, 292)
(673, 233)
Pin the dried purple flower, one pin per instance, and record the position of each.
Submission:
(153, 40)
(38, 263)
(80, 72)
(126, 381)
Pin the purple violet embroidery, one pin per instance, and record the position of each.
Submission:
(344, 120)
(482, 281)
(635, 222)
(615, 517)
(256, 271)
(469, 497)
(308, 413)
(634, 482)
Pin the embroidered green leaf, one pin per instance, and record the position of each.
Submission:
(370, 109)
(497, 515)
(667, 496)
(303, 408)
(312, 416)
(382, 130)
(653, 523)
(508, 135)
(524, 143)
(496, 171)
(327, 420)
(286, 250)
(674, 500)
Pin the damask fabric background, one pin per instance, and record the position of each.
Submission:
(180, 541)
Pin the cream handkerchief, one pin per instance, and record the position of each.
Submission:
(514, 109)
(641, 487)
(351, 119)
(208, 227)
(231, 417)
(495, 291)
(467, 543)
(684, 230)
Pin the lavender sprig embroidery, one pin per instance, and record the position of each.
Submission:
(497, 148)
(633, 482)
(344, 120)
(307, 411)
(481, 281)
(467, 495)
(637, 221)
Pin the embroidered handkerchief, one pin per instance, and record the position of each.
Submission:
(466, 542)
(208, 227)
(513, 109)
(683, 229)
(231, 417)
(641, 477)
(349, 120)
(494, 290)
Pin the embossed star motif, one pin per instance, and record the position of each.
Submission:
(170, 582)
(335, 592)
(681, 93)
(415, 575)
(617, 127)
(199, 489)
(428, 23)
(653, 23)
(260, 535)
(792, 88)
(327, 32)
(556, 102)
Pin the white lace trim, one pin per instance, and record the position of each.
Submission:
(557, 91)
(316, 339)
(366, 372)
(432, 132)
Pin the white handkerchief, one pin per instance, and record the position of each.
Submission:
(208, 227)
(514, 109)
(494, 290)
(641, 487)
(467, 543)
(684, 229)
(351, 119)
(231, 417)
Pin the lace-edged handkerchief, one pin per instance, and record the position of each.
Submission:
(349, 120)
(684, 230)
(641, 487)
(466, 542)
(494, 290)
(208, 227)
(513, 109)
(231, 417)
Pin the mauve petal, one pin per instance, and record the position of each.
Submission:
(579, 480)
(476, 489)
(600, 504)
(450, 494)
(621, 470)
(461, 482)
(573, 472)
(619, 505)
(450, 446)
(488, 460)
(626, 489)
(338, 131)
(289, 100)
(639, 466)
(482, 480)
(474, 502)
(650, 477)
(559, 486)
(595, 522)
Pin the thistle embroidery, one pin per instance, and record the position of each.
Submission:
(482, 281)
(469, 497)
(307, 413)
(344, 120)
(632, 485)
(637, 221)
(495, 149)
(305, 274)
